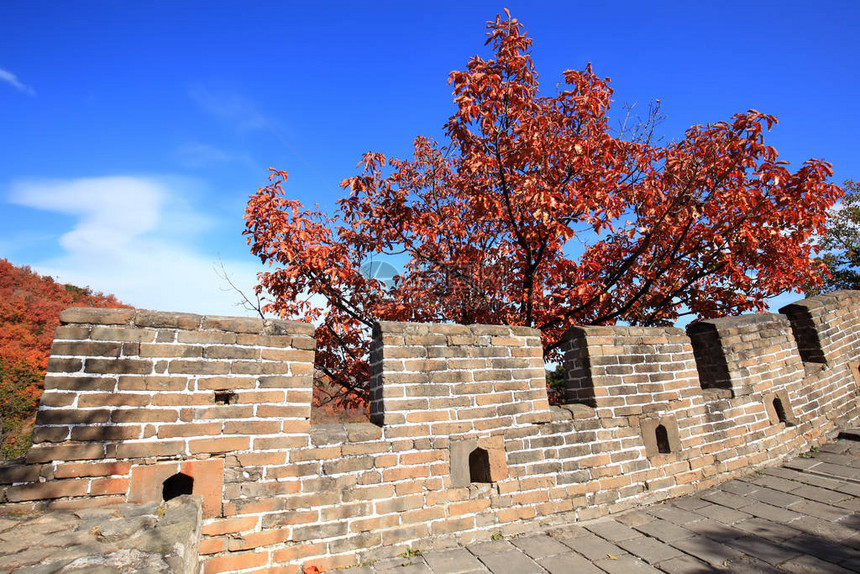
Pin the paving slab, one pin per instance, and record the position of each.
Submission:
(410, 566)
(739, 487)
(825, 495)
(773, 482)
(569, 563)
(511, 562)
(820, 510)
(613, 531)
(752, 565)
(715, 530)
(456, 561)
(692, 502)
(726, 499)
(838, 470)
(721, 513)
(490, 547)
(673, 514)
(663, 530)
(686, 565)
(708, 550)
(625, 565)
(650, 549)
(539, 546)
(771, 512)
(835, 531)
(811, 565)
(775, 497)
(593, 547)
(764, 549)
(772, 531)
(828, 551)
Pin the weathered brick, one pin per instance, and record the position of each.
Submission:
(206, 337)
(118, 366)
(86, 348)
(223, 412)
(299, 355)
(64, 365)
(122, 334)
(286, 382)
(235, 561)
(101, 316)
(47, 490)
(283, 412)
(156, 319)
(106, 433)
(230, 352)
(233, 324)
(183, 430)
(317, 531)
(152, 383)
(48, 453)
(71, 333)
(259, 368)
(146, 415)
(105, 486)
(50, 434)
(149, 448)
(82, 469)
(88, 400)
(256, 397)
(170, 350)
(252, 427)
(57, 399)
(182, 399)
(71, 416)
(226, 383)
(19, 473)
(279, 442)
(219, 444)
(258, 539)
(230, 525)
(198, 367)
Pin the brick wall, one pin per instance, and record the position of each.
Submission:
(465, 443)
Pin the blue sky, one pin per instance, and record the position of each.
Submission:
(131, 134)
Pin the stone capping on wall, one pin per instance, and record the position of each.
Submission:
(144, 318)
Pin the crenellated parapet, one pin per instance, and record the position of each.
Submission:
(141, 405)
(457, 379)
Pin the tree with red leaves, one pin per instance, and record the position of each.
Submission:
(534, 212)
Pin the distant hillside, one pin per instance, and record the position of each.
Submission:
(30, 307)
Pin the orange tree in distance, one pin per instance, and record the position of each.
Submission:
(533, 212)
(30, 308)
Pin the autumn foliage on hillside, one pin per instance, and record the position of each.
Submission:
(535, 212)
(30, 307)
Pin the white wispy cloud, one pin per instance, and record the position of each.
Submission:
(135, 237)
(228, 107)
(12, 80)
(198, 155)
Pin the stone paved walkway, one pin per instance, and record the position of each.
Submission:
(801, 518)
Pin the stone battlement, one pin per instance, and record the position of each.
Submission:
(141, 406)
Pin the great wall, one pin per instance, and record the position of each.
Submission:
(141, 406)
